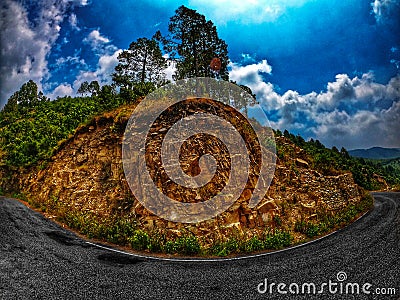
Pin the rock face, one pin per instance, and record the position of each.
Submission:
(86, 175)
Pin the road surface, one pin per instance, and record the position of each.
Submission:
(40, 260)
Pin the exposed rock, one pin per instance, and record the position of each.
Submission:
(301, 163)
(86, 175)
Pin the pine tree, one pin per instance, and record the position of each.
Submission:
(142, 63)
(193, 42)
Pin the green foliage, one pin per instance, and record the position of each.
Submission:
(330, 221)
(224, 248)
(253, 244)
(141, 64)
(193, 43)
(333, 162)
(31, 129)
(187, 245)
(92, 87)
(140, 240)
(308, 228)
(277, 239)
(271, 240)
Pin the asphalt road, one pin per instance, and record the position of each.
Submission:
(40, 260)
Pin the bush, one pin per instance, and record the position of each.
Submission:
(308, 228)
(140, 240)
(187, 245)
(277, 239)
(253, 244)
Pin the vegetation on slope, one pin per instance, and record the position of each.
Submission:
(367, 173)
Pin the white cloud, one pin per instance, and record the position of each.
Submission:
(95, 37)
(246, 12)
(75, 60)
(62, 90)
(28, 62)
(171, 68)
(249, 73)
(101, 45)
(385, 9)
(352, 112)
(73, 21)
(81, 2)
(105, 67)
(102, 74)
(26, 43)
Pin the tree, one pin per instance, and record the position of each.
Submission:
(193, 43)
(27, 96)
(84, 88)
(142, 63)
(344, 153)
(93, 87)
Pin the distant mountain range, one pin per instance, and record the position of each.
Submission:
(376, 153)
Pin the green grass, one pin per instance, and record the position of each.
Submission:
(124, 230)
(271, 240)
(328, 221)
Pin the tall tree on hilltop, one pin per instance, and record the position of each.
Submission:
(193, 42)
(142, 63)
(27, 96)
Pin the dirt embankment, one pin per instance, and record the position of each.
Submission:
(86, 176)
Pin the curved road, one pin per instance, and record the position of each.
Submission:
(40, 260)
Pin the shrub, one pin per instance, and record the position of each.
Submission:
(308, 228)
(253, 244)
(187, 245)
(140, 240)
(277, 239)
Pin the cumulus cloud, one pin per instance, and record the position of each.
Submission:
(96, 38)
(102, 74)
(246, 12)
(26, 43)
(64, 89)
(249, 73)
(100, 44)
(351, 112)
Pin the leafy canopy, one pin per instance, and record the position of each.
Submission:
(193, 42)
(141, 64)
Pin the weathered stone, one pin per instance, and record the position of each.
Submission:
(76, 174)
(302, 163)
(267, 206)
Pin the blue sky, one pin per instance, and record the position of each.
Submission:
(321, 68)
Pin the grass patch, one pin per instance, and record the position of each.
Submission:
(123, 229)
(271, 240)
(328, 221)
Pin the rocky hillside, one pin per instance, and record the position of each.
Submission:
(84, 186)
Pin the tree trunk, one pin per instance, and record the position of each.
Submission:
(144, 66)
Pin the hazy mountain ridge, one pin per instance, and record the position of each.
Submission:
(376, 153)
